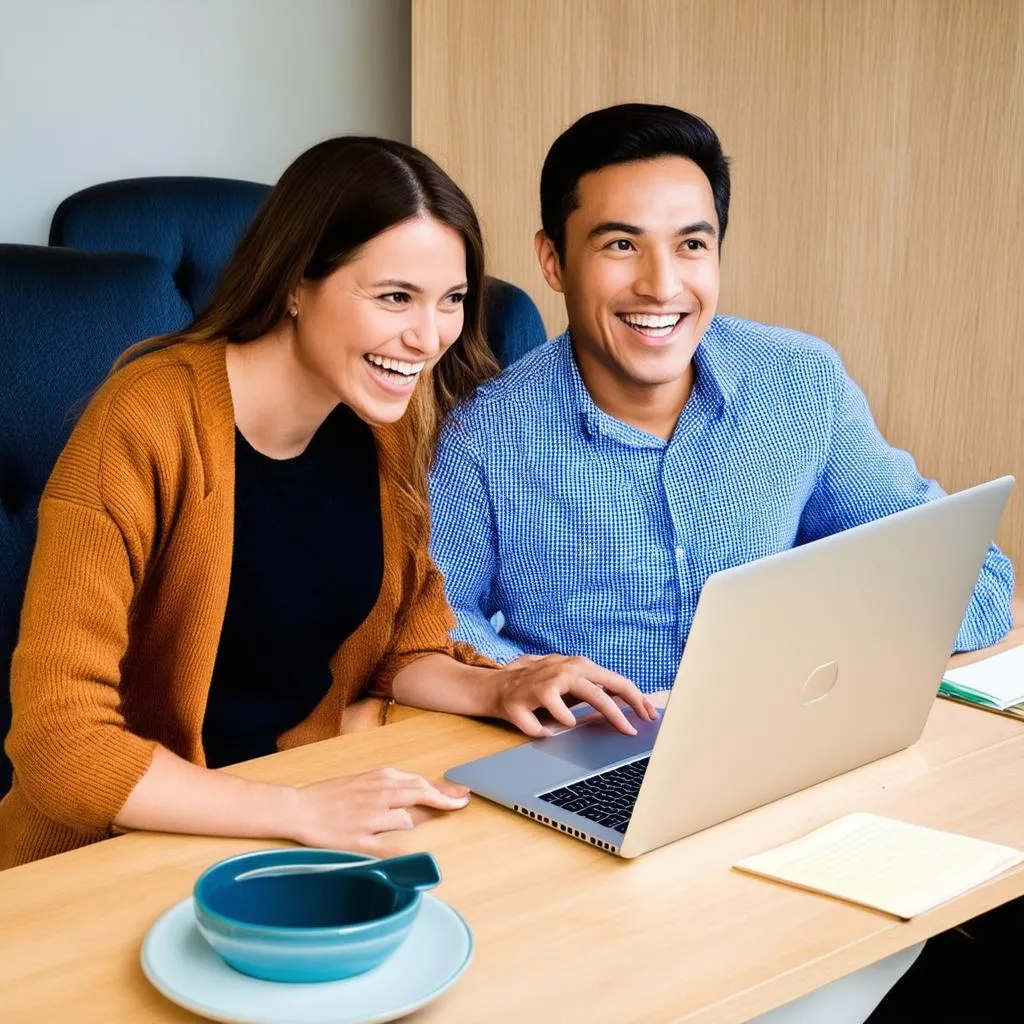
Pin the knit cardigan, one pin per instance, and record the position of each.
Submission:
(126, 597)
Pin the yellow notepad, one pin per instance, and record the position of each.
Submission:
(889, 865)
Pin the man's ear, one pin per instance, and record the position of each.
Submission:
(550, 264)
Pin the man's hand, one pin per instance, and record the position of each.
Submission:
(531, 682)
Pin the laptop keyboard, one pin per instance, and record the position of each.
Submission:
(606, 799)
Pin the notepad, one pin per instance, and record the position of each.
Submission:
(996, 682)
(888, 865)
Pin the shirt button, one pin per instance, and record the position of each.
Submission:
(680, 554)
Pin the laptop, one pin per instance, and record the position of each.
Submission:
(798, 667)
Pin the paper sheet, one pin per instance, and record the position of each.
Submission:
(999, 679)
(889, 865)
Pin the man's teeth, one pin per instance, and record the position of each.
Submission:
(654, 320)
(396, 365)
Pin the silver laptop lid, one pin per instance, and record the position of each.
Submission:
(811, 662)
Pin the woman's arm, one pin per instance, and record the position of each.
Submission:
(359, 812)
(74, 758)
(79, 764)
(177, 796)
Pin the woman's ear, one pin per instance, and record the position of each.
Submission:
(296, 298)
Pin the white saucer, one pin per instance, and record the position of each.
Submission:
(180, 964)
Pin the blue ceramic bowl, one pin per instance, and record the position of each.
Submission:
(321, 926)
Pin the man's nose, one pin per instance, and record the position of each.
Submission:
(658, 279)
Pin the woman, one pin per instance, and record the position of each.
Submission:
(232, 546)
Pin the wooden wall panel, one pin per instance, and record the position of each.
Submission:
(877, 153)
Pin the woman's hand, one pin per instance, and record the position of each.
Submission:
(366, 813)
(531, 682)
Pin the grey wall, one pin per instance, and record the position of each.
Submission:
(105, 89)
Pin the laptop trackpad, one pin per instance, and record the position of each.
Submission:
(594, 743)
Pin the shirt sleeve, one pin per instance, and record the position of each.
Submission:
(464, 543)
(864, 478)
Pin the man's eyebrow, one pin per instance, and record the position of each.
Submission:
(608, 226)
(700, 227)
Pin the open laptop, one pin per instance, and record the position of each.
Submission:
(798, 667)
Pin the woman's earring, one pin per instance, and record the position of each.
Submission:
(293, 313)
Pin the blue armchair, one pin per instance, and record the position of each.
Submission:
(191, 225)
(126, 260)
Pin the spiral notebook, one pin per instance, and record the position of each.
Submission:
(889, 865)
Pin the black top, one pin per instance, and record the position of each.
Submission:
(306, 569)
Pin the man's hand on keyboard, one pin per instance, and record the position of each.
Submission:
(531, 682)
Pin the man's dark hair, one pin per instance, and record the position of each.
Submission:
(619, 135)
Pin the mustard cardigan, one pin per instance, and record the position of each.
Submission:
(126, 597)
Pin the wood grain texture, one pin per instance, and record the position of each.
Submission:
(878, 183)
(563, 932)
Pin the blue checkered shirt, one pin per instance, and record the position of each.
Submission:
(593, 537)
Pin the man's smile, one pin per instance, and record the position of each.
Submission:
(653, 325)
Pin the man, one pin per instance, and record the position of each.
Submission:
(588, 493)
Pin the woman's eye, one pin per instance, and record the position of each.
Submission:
(621, 245)
(396, 298)
(457, 298)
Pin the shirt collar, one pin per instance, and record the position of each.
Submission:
(719, 365)
(579, 397)
(718, 377)
(594, 422)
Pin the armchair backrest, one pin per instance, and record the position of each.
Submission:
(190, 224)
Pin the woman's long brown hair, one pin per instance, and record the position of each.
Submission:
(331, 201)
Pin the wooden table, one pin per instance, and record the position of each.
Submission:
(563, 931)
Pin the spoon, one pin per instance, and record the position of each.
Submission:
(410, 871)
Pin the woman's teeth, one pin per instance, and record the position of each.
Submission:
(653, 325)
(396, 367)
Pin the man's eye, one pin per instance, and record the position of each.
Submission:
(396, 298)
(621, 245)
(695, 244)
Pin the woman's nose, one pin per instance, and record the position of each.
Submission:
(423, 338)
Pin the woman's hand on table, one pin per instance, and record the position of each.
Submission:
(532, 682)
(367, 813)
